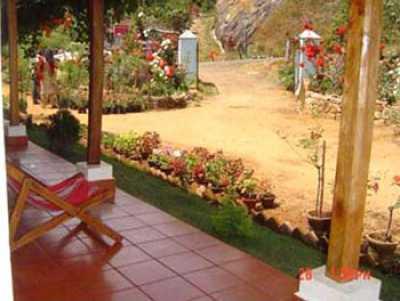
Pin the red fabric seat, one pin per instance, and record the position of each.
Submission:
(74, 190)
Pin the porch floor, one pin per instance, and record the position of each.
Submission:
(162, 258)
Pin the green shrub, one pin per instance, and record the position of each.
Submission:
(108, 140)
(231, 220)
(23, 104)
(63, 131)
(125, 144)
(286, 76)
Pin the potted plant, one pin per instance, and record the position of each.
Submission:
(247, 188)
(265, 196)
(382, 241)
(216, 174)
(318, 219)
(147, 143)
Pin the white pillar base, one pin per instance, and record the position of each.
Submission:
(97, 172)
(14, 130)
(320, 287)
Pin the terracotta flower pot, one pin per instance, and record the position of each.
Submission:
(251, 203)
(320, 224)
(385, 249)
(268, 200)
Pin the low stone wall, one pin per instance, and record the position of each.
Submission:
(330, 106)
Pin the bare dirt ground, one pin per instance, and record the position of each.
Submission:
(255, 119)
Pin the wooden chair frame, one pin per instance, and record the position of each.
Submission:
(30, 184)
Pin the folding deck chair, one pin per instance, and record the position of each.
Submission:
(71, 197)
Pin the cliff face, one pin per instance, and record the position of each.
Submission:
(238, 20)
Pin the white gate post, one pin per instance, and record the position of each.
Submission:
(188, 54)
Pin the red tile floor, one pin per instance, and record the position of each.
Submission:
(162, 258)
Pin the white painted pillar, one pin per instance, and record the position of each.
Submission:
(188, 54)
(5, 259)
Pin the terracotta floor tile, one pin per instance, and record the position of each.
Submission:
(57, 292)
(204, 298)
(59, 235)
(175, 289)
(142, 235)
(128, 255)
(146, 272)
(252, 270)
(156, 218)
(197, 240)
(162, 248)
(125, 223)
(138, 209)
(213, 279)
(126, 295)
(186, 262)
(29, 254)
(100, 243)
(34, 275)
(241, 293)
(98, 260)
(221, 253)
(104, 281)
(108, 211)
(282, 288)
(65, 249)
(175, 228)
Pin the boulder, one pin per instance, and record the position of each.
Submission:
(239, 19)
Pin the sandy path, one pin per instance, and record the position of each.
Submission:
(248, 119)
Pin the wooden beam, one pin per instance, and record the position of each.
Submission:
(96, 16)
(13, 60)
(360, 94)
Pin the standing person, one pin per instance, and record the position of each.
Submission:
(38, 75)
(49, 93)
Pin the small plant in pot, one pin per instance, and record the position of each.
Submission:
(216, 173)
(382, 241)
(265, 196)
(318, 219)
(247, 189)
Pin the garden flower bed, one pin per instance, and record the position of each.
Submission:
(209, 175)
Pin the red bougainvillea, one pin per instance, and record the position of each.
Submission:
(341, 31)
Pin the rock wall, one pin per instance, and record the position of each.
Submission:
(239, 19)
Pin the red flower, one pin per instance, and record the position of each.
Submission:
(301, 65)
(169, 71)
(341, 31)
(68, 21)
(396, 180)
(312, 51)
(149, 56)
(338, 49)
(308, 25)
(382, 46)
(320, 61)
(162, 63)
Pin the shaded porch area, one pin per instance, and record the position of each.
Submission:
(161, 258)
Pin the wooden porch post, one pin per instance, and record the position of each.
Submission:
(360, 94)
(13, 57)
(96, 16)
